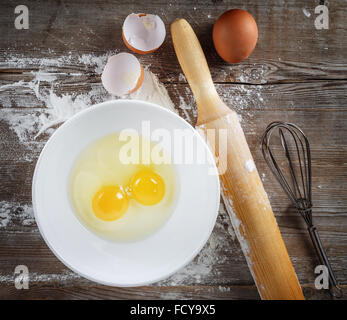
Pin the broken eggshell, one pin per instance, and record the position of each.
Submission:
(143, 33)
(123, 74)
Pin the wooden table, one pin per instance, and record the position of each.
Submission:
(296, 73)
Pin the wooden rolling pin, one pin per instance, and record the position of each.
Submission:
(243, 193)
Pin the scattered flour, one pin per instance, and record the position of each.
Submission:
(61, 108)
(201, 268)
(237, 224)
(188, 109)
(182, 77)
(223, 289)
(89, 61)
(97, 61)
(35, 277)
(45, 85)
(29, 125)
(153, 91)
(171, 296)
(263, 176)
(249, 165)
(241, 236)
(14, 213)
(242, 98)
(306, 12)
(248, 74)
(204, 269)
(58, 108)
(231, 232)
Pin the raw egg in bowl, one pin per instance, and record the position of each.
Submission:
(115, 198)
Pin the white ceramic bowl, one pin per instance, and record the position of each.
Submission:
(129, 263)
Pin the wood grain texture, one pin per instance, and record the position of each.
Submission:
(97, 292)
(296, 73)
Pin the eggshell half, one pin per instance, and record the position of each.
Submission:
(123, 74)
(143, 33)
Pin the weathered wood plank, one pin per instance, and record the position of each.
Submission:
(329, 152)
(250, 102)
(278, 57)
(323, 95)
(21, 241)
(329, 189)
(95, 292)
(150, 292)
(295, 74)
(220, 262)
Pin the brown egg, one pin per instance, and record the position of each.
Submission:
(235, 35)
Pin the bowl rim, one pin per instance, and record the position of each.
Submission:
(78, 115)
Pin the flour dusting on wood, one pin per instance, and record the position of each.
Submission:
(36, 104)
(249, 165)
(152, 90)
(57, 108)
(306, 12)
(15, 214)
(204, 269)
(34, 277)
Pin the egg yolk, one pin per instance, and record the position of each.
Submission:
(147, 187)
(110, 203)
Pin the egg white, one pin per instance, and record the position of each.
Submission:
(99, 165)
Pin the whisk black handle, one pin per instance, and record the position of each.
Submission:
(334, 288)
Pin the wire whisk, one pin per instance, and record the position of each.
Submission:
(294, 175)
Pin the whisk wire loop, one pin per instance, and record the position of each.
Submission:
(296, 180)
